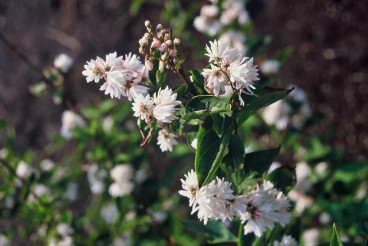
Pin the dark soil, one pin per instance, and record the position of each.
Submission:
(329, 62)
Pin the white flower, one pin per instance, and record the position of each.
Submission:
(324, 218)
(93, 71)
(311, 237)
(166, 140)
(71, 191)
(114, 84)
(143, 107)
(243, 73)
(4, 241)
(70, 120)
(265, 207)
(217, 50)
(235, 40)
(109, 213)
(190, 186)
(286, 241)
(23, 170)
(63, 62)
(207, 22)
(321, 168)
(270, 67)
(119, 189)
(64, 241)
(64, 229)
(194, 143)
(47, 165)
(39, 190)
(122, 172)
(165, 101)
(215, 80)
(96, 179)
(234, 10)
(277, 114)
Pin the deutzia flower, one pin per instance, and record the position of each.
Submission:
(286, 241)
(234, 10)
(311, 237)
(96, 179)
(23, 170)
(142, 107)
(242, 73)
(190, 186)
(206, 21)
(63, 62)
(265, 207)
(235, 40)
(270, 67)
(165, 101)
(166, 140)
(109, 213)
(216, 80)
(121, 174)
(70, 120)
(217, 50)
(93, 71)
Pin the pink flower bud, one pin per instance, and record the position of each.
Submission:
(147, 23)
(173, 52)
(155, 44)
(168, 42)
(148, 64)
(163, 47)
(167, 36)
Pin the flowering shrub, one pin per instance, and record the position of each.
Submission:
(109, 191)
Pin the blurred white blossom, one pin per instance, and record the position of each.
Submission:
(109, 213)
(63, 62)
(286, 240)
(70, 120)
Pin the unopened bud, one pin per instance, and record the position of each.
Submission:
(164, 57)
(143, 42)
(168, 42)
(147, 35)
(176, 41)
(147, 23)
(163, 47)
(161, 66)
(159, 28)
(167, 36)
(173, 52)
(141, 50)
(155, 44)
(149, 65)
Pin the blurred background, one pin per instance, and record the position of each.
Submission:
(329, 59)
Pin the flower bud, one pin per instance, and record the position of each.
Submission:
(163, 47)
(141, 50)
(164, 57)
(173, 52)
(159, 28)
(167, 36)
(176, 41)
(149, 65)
(155, 44)
(147, 23)
(168, 42)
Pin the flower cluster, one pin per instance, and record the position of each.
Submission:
(214, 17)
(121, 174)
(260, 209)
(124, 76)
(230, 72)
(162, 47)
(293, 111)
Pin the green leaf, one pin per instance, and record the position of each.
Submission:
(135, 7)
(155, 62)
(235, 157)
(256, 44)
(282, 178)
(265, 97)
(214, 231)
(335, 241)
(226, 136)
(198, 81)
(208, 144)
(208, 103)
(218, 124)
(260, 161)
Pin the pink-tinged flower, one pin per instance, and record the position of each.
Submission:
(266, 206)
(114, 84)
(142, 107)
(216, 80)
(149, 65)
(93, 71)
(166, 140)
(132, 63)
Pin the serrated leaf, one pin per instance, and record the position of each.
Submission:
(181, 90)
(335, 241)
